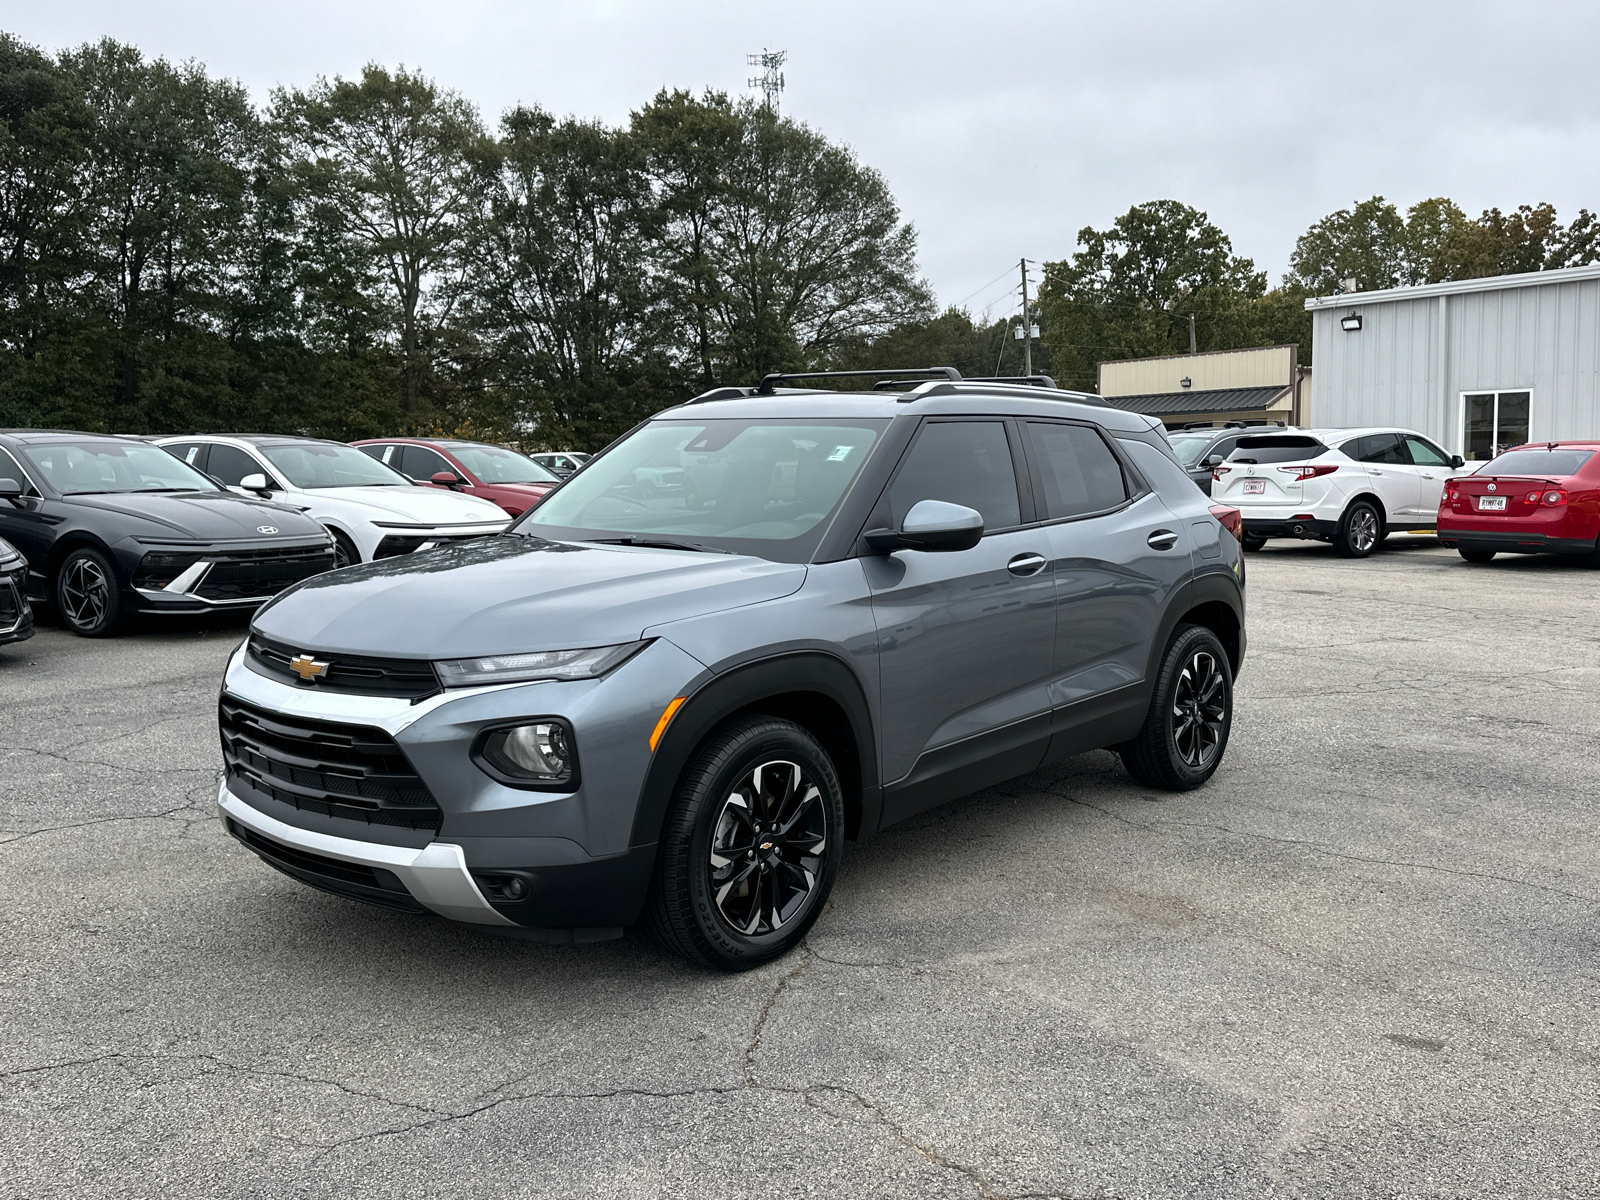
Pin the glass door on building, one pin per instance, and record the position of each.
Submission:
(1493, 422)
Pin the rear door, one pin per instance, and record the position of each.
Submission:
(1389, 474)
(965, 638)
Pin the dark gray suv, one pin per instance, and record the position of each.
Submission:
(761, 623)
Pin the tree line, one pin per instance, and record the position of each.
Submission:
(366, 256)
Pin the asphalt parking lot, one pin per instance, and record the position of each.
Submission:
(1360, 963)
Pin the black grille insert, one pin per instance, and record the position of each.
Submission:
(354, 880)
(395, 544)
(353, 772)
(347, 672)
(244, 574)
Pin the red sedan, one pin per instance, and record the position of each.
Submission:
(1536, 498)
(513, 481)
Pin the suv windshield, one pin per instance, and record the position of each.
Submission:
(491, 464)
(750, 486)
(1537, 462)
(330, 465)
(83, 468)
(1189, 446)
(1277, 448)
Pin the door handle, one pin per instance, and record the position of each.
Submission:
(1162, 539)
(1027, 564)
(1373, 471)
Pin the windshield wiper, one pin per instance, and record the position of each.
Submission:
(657, 544)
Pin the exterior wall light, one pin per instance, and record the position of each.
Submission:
(1184, 382)
(1350, 323)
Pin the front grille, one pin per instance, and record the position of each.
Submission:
(357, 881)
(347, 672)
(11, 603)
(394, 544)
(244, 574)
(352, 772)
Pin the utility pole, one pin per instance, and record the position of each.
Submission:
(1191, 333)
(770, 81)
(1027, 327)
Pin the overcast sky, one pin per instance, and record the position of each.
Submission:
(1002, 128)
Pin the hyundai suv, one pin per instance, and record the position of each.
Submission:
(681, 703)
(1349, 487)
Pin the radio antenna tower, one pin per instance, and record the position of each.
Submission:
(770, 81)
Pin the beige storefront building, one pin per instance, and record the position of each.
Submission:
(1265, 383)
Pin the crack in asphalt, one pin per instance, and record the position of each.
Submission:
(1319, 848)
(23, 835)
(95, 762)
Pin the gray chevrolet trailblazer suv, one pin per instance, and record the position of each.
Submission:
(762, 622)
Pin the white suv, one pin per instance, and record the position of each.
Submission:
(372, 510)
(1351, 487)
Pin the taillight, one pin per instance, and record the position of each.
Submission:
(1218, 472)
(1310, 470)
(1231, 519)
(1554, 499)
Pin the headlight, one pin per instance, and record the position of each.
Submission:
(537, 754)
(544, 664)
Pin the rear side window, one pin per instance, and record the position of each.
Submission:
(1277, 448)
(1078, 474)
(1537, 462)
(961, 462)
(1378, 448)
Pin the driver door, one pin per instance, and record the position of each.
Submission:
(965, 638)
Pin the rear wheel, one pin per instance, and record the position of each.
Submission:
(750, 847)
(87, 596)
(1360, 530)
(1477, 556)
(1252, 541)
(1186, 729)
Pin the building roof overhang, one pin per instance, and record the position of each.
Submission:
(1216, 400)
(1456, 287)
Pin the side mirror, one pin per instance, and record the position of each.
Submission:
(933, 526)
(10, 490)
(448, 479)
(1457, 462)
(255, 483)
(1211, 460)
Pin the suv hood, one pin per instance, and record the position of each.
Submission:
(419, 505)
(501, 595)
(204, 516)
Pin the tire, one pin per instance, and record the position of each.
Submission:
(1195, 682)
(87, 594)
(1360, 531)
(741, 912)
(345, 553)
(1252, 542)
(1477, 556)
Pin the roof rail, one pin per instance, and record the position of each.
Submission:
(721, 393)
(1043, 381)
(769, 382)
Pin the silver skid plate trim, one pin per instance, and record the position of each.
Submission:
(436, 874)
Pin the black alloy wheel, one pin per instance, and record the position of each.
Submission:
(1360, 531)
(345, 553)
(751, 846)
(87, 595)
(1477, 556)
(1186, 728)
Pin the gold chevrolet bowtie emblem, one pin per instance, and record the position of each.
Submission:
(307, 667)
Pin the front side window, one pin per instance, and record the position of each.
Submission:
(1190, 447)
(11, 469)
(90, 466)
(231, 465)
(493, 464)
(960, 462)
(1425, 453)
(421, 463)
(329, 465)
(1077, 471)
(750, 486)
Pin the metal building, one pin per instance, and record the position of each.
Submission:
(1477, 365)
(1260, 384)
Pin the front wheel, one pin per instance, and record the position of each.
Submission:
(87, 595)
(1477, 556)
(1360, 530)
(750, 847)
(345, 553)
(1186, 729)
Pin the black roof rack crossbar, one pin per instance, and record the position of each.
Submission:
(769, 382)
(1043, 381)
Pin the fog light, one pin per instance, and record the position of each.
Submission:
(533, 754)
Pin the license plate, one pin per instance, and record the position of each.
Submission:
(1491, 503)
(1255, 487)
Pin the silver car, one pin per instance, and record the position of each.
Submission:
(678, 703)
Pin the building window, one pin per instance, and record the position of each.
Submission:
(1492, 422)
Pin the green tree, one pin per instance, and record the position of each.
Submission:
(1128, 291)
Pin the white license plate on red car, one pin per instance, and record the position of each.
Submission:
(1255, 487)
(1491, 503)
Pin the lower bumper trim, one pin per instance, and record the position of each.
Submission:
(436, 876)
(1513, 543)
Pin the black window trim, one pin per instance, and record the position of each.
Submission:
(1133, 481)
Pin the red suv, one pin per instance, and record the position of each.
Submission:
(1533, 498)
(513, 481)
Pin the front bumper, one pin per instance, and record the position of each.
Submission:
(16, 617)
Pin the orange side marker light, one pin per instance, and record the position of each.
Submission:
(666, 719)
